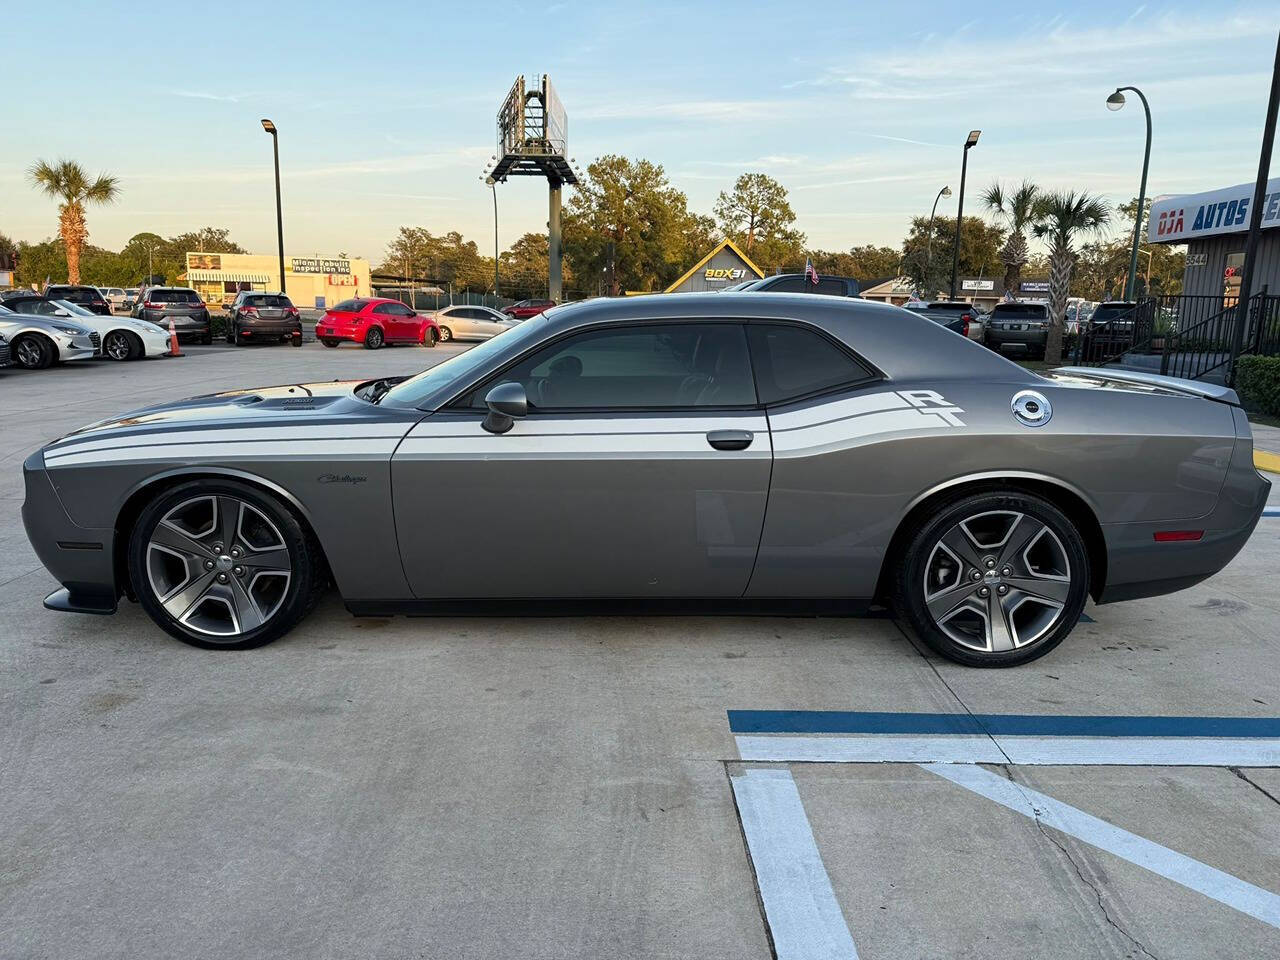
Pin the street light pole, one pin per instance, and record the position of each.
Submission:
(1255, 218)
(928, 255)
(1115, 102)
(969, 142)
(270, 127)
(493, 186)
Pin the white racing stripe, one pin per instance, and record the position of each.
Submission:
(276, 449)
(1192, 874)
(838, 410)
(283, 434)
(1025, 751)
(818, 438)
(804, 918)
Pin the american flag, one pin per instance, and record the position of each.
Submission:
(810, 274)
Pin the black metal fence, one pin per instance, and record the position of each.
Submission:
(1182, 336)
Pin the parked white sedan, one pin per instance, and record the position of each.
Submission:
(462, 322)
(123, 338)
(39, 342)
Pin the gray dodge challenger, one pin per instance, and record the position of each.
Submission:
(741, 452)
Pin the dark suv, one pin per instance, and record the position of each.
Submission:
(182, 305)
(799, 283)
(255, 316)
(90, 298)
(1018, 328)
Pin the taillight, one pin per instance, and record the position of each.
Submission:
(964, 324)
(292, 311)
(251, 311)
(153, 306)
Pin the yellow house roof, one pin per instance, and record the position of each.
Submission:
(703, 262)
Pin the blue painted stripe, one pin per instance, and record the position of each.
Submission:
(1271, 511)
(997, 724)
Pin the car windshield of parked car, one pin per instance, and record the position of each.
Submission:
(173, 296)
(75, 308)
(458, 369)
(76, 294)
(1020, 311)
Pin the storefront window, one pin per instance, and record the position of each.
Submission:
(1231, 272)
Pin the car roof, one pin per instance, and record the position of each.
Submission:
(1125, 304)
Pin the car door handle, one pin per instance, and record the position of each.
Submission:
(730, 439)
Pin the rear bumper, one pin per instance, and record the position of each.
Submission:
(80, 558)
(1138, 566)
(1016, 341)
(326, 332)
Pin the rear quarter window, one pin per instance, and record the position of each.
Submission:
(793, 362)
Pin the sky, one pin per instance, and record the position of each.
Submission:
(386, 108)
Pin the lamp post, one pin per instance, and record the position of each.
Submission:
(969, 143)
(1115, 102)
(270, 127)
(493, 186)
(928, 255)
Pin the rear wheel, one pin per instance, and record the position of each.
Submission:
(993, 579)
(222, 565)
(330, 343)
(34, 352)
(373, 339)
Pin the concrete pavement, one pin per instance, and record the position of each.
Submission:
(558, 787)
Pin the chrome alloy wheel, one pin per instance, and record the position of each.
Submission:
(218, 565)
(997, 581)
(117, 346)
(29, 353)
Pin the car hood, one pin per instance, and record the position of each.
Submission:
(263, 406)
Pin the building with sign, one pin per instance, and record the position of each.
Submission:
(310, 282)
(1214, 225)
(724, 266)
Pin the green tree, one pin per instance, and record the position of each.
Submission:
(756, 215)
(865, 263)
(524, 267)
(1061, 217)
(628, 226)
(930, 266)
(1016, 208)
(448, 259)
(67, 182)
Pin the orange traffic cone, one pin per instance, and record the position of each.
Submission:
(173, 341)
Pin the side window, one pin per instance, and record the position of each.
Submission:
(383, 308)
(793, 362)
(667, 366)
(789, 285)
(831, 286)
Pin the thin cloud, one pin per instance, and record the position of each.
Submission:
(209, 95)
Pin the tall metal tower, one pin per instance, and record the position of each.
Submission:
(533, 141)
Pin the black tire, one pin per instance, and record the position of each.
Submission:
(446, 335)
(429, 338)
(121, 345)
(296, 341)
(306, 567)
(330, 343)
(31, 351)
(1049, 575)
(373, 339)
(237, 337)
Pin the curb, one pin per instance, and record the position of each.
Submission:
(1269, 462)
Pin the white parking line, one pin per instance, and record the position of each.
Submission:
(1192, 874)
(1002, 748)
(804, 918)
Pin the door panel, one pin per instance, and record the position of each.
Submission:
(581, 505)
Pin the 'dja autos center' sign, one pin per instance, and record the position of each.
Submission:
(1178, 219)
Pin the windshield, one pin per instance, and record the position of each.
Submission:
(1110, 311)
(414, 390)
(75, 308)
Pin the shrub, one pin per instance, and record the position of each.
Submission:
(1258, 381)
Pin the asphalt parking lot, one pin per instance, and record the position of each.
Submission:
(618, 787)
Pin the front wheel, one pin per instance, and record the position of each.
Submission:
(429, 337)
(223, 565)
(993, 579)
(119, 345)
(34, 352)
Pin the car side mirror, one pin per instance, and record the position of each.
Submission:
(506, 402)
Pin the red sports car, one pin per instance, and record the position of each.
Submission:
(374, 321)
(525, 309)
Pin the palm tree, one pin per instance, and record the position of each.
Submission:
(1017, 209)
(67, 182)
(1059, 218)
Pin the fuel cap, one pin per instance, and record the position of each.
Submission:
(1031, 409)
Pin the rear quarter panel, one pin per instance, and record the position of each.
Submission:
(844, 478)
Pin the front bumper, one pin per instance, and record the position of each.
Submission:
(80, 558)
